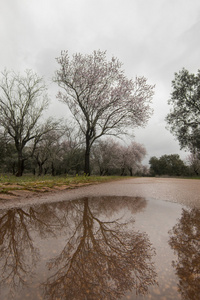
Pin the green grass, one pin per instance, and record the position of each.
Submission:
(192, 177)
(34, 183)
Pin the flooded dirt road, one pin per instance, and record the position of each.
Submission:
(132, 239)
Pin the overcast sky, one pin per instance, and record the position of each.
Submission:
(152, 38)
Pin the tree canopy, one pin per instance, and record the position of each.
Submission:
(184, 117)
(170, 165)
(110, 157)
(100, 97)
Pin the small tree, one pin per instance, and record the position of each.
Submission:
(48, 151)
(72, 150)
(106, 156)
(100, 97)
(130, 158)
(135, 154)
(22, 102)
(8, 155)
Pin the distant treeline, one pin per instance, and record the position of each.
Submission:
(62, 152)
(172, 165)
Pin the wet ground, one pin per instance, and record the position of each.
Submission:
(132, 239)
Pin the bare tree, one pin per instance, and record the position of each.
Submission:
(47, 151)
(100, 97)
(23, 99)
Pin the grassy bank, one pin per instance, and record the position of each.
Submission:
(193, 177)
(46, 183)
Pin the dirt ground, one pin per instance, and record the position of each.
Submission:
(184, 191)
(18, 192)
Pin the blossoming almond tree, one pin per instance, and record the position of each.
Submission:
(100, 97)
(130, 158)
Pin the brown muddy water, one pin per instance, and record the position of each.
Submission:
(100, 247)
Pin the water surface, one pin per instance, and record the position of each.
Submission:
(100, 248)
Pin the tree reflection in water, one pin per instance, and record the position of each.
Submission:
(18, 255)
(102, 259)
(185, 240)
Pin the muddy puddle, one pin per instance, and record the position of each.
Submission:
(100, 248)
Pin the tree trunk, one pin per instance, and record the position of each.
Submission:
(87, 157)
(131, 171)
(87, 164)
(40, 165)
(20, 165)
(101, 171)
(52, 169)
(13, 168)
(122, 172)
(46, 170)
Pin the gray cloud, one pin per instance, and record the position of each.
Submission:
(152, 38)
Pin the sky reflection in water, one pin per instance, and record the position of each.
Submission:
(100, 248)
